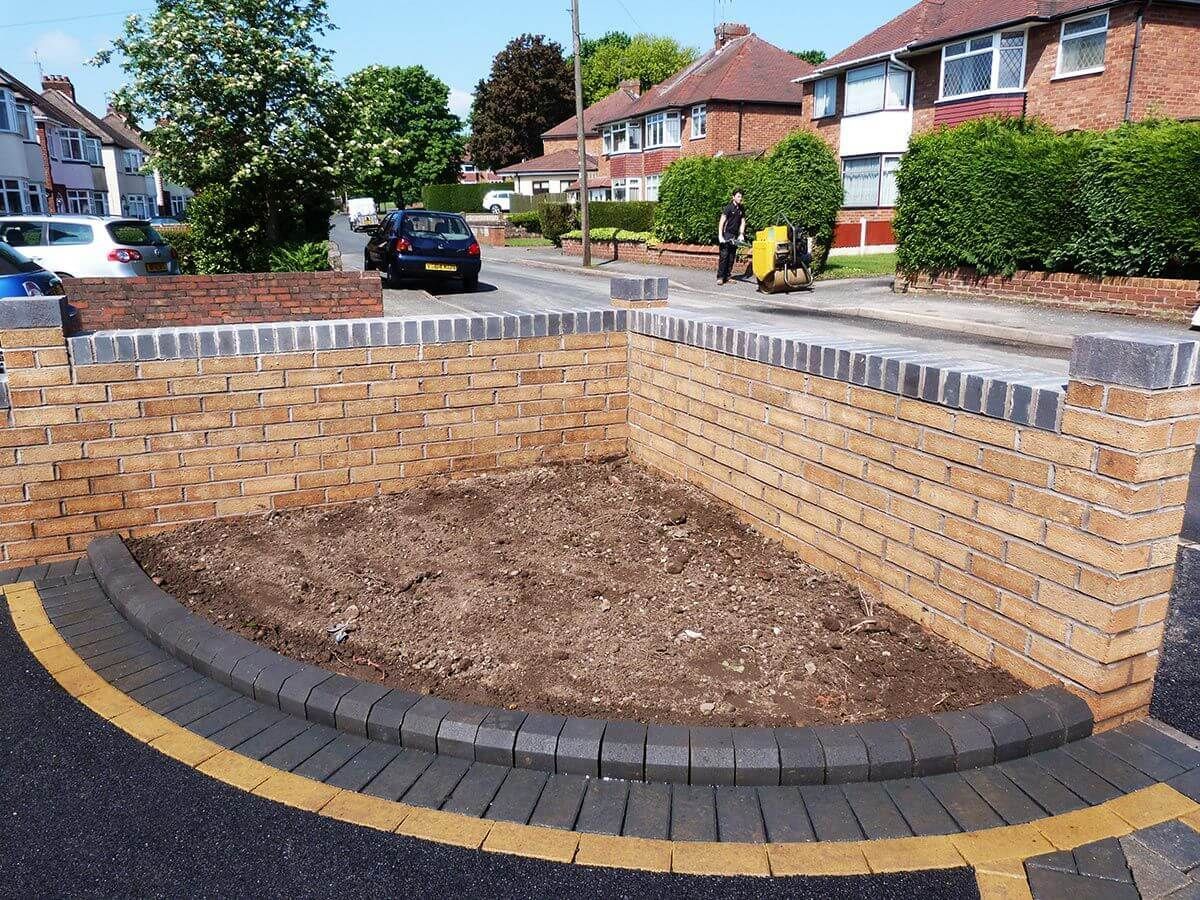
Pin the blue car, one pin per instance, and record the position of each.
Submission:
(420, 244)
(22, 277)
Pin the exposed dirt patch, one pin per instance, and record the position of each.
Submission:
(585, 590)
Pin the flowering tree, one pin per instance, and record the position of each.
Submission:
(401, 135)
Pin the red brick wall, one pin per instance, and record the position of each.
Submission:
(224, 299)
(1168, 78)
(951, 114)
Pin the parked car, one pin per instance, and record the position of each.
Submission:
(363, 214)
(497, 202)
(417, 243)
(20, 276)
(90, 246)
(159, 221)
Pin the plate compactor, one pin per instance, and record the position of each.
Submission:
(781, 260)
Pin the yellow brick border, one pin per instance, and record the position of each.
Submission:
(996, 854)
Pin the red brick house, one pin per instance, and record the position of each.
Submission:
(1073, 63)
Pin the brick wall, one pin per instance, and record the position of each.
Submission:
(1169, 67)
(108, 303)
(1048, 554)
(684, 256)
(1168, 299)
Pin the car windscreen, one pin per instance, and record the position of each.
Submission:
(135, 234)
(14, 263)
(432, 225)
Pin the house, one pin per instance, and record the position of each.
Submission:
(552, 173)
(1076, 64)
(469, 173)
(24, 175)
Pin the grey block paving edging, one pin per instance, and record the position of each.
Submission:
(929, 745)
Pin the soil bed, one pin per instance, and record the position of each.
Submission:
(597, 590)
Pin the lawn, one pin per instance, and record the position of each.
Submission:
(528, 242)
(869, 266)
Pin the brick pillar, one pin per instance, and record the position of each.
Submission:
(1136, 399)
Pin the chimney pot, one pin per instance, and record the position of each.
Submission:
(61, 83)
(728, 31)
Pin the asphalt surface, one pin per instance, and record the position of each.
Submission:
(85, 810)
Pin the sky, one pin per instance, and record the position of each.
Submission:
(456, 41)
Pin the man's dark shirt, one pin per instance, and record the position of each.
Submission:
(734, 215)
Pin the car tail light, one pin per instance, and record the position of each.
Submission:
(473, 250)
(124, 255)
(403, 246)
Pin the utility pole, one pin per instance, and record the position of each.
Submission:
(581, 132)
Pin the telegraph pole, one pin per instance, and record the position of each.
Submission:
(581, 131)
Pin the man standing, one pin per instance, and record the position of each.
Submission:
(730, 233)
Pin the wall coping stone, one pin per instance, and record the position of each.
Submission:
(1006, 729)
(30, 312)
(1137, 360)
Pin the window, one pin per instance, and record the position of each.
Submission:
(99, 203)
(1082, 46)
(91, 150)
(995, 62)
(870, 181)
(699, 121)
(623, 137)
(420, 225)
(64, 233)
(25, 125)
(14, 194)
(825, 98)
(8, 111)
(37, 198)
(652, 184)
(178, 205)
(466, 168)
(70, 142)
(541, 187)
(133, 160)
(662, 129)
(873, 88)
(633, 189)
(79, 203)
(136, 206)
(618, 190)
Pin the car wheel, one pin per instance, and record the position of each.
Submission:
(368, 266)
(496, 210)
(471, 283)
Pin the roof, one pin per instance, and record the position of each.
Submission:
(615, 106)
(746, 69)
(21, 88)
(79, 117)
(601, 182)
(130, 134)
(558, 161)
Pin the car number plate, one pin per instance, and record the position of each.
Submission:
(156, 267)
(438, 267)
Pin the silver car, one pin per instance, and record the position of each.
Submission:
(90, 246)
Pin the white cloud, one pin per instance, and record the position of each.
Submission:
(460, 102)
(57, 48)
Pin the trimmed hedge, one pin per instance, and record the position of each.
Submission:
(530, 221)
(614, 235)
(556, 220)
(693, 192)
(636, 215)
(180, 239)
(460, 198)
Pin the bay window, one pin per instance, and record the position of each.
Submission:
(825, 98)
(982, 65)
(37, 198)
(8, 111)
(79, 203)
(699, 121)
(99, 203)
(133, 161)
(662, 129)
(137, 206)
(870, 181)
(618, 190)
(1082, 45)
(652, 184)
(623, 137)
(91, 149)
(878, 87)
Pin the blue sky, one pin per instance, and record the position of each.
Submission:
(454, 40)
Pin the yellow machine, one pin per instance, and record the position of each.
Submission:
(781, 260)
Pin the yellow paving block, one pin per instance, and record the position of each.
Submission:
(237, 770)
(30, 616)
(445, 828)
(1085, 826)
(624, 853)
(1152, 806)
(713, 858)
(190, 749)
(370, 812)
(1002, 887)
(1192, 821)
(912, 854)
(143, 724)
(56, 659)
(297, 791)
(40, 637)
(818, 859)
(1010, 842)
(530, 840)
(79, 680)
(107, 702)
(1009, 868)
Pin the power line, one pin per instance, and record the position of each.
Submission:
(631, 16)
(102, 15)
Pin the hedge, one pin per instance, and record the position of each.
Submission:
(180, 239)
(556, 219)
(612, 235)
(693, 191)
(530, 221)
(460, 198)
(635, 215)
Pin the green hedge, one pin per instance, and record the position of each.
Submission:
(530, 221)
(608, 235)
(693, 191)
(556, 220)
(1007, 194)
(180, 239)
(459, 198)
(636, 215)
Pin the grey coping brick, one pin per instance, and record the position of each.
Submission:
(933, 751)
(331, 757)
(1008, 731)
(355, 706)
(1046, 790)
(497, 736)
(30, 312)
(888, 751)
(876, 811)
(399, 775)
(291, 754)
(1153, 875)
(223, 717)
(784, 815)
(693, 813)
(623, 751)
(1081, 780)
(421, 724)
(270, 680)
(537, 741)
(959, 799)
(712, 756)
(1103, 859)
(202, 706)
(1174, 841)
(474, 793)
(148, 676)
(648, 811)
(739, 816)
(1062, 861)
(830, 813)
(357, 773)
(558, 806)
(1163, 744)
(244, 729)
(801, 756)
(271, 738)
(1008, 800)
(174, 633)
(437, 783)
(293, 695)
(920, 808)
(578, 750)
(668, 753)
(164, 686)
(1112, 769)
(756, 757)
(518, 796)
(603, 809)
(1138, 755)
(456, 734)
(387, 715)
(846, 757)
(247, 670)
(1130, 359)
(1074, 713)
(1046, 729)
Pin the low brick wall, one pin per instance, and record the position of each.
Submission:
(1168, 299)
(685, 256)
(107, 303)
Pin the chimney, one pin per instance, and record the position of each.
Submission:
(631, 86)
(59, 83)
(728, 31)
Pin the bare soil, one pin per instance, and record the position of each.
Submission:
(595, 589)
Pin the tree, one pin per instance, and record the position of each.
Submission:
(244, 107)
(530, 89)
(617, 57)
(816, 57)
(400, 135)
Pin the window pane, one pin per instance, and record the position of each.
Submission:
(67, 233)
(967, 75)
(983, 43)
(1080, 54)
(860, 178)
(1081, 25)
(864, 90)
(673, 129)
(897, 88)
(825, 98)
(887, 185)
(1012, 68)
(956, 49)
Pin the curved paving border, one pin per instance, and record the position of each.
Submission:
(881, 751)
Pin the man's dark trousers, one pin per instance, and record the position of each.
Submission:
(728, 258)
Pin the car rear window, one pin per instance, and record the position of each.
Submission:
(434, 225)
(135, 234)
(64, 233)
(13, 263)
(21, 234)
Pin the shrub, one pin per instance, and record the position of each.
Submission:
(556, 220)
(530, 221)
(607, 235)
(304, 257)
(459, 198)
(632, 216)
(224, 238)
(180, 239)
(692, 194)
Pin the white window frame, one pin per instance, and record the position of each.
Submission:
(653, 184)
(825, 106)
(18, 187)
(618, 190)
(699, 121)
(1062, 40)
(79, 202)
(99, 203)
(633, 190)
(995, 38)
(622, 137)
(70, 140)
(8, 106)
(880, 161)
(884, 104)
(37, 198)
(132, 162)
(662, 130)
(26, 127)
(91, 149)
(143, 210)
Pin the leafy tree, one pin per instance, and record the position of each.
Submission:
(401, 135)
(616, 57)
(244, 105)
(816, 57)
(530, 89)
